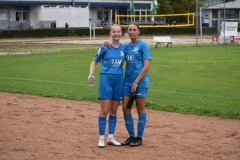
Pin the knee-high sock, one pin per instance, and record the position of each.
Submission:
(129, 125)
(112, 124)
(142, 118)
(101, 125)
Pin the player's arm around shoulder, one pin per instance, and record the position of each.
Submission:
(107, 44)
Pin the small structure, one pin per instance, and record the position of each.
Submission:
(163, 39)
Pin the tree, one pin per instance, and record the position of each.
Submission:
(176, 6)
(164, 7)
(183, 6)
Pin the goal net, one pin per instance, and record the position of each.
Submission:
(162, 20)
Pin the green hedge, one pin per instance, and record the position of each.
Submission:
(42, 33)
(176, 31)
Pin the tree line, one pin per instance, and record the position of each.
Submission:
(179, 6)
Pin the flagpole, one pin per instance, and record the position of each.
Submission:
(224, 23)
(153, 11)
(132, 10)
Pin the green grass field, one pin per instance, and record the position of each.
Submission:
(201, 80)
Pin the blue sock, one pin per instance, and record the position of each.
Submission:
(112, 124)
(142, 118)
(102, 125)
(129, 125)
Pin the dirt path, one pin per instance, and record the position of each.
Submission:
(40, 128)
(74, 40)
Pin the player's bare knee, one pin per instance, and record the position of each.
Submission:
(141, 110)
(126, 111)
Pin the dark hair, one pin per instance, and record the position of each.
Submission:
(133, 23)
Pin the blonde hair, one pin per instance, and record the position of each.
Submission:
(114, 26)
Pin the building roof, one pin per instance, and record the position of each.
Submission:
(102, 3)
(229, 5)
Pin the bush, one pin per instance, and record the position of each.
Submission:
(56, 32)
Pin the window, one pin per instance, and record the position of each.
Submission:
(236, 13)
(18, 8)
(25, 16)
(22, 12)
(3, 16)
(105, 15)
(228, 14)
(25, 8)
(214, 14)
(142, 12)
(137, 17)
(232, 14)
(61, 6)
(99, 15)
(143, 16)
(18, 16)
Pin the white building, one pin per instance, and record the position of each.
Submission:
(213, 12)
(21, 14)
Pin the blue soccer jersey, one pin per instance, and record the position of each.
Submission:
(111, 74)
(136, 54)
(112, 59)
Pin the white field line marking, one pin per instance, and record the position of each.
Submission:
(44, 81)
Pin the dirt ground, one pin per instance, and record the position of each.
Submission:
(40, 128)
(33, 127)
(79, 40)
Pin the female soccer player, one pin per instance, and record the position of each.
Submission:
(110, 84)
(136, 80)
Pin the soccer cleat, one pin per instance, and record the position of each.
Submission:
(128, 141)
(101, 143)
(136, 142)
(112, 141)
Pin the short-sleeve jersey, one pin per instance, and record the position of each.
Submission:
(136, 54)
(112, 59)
